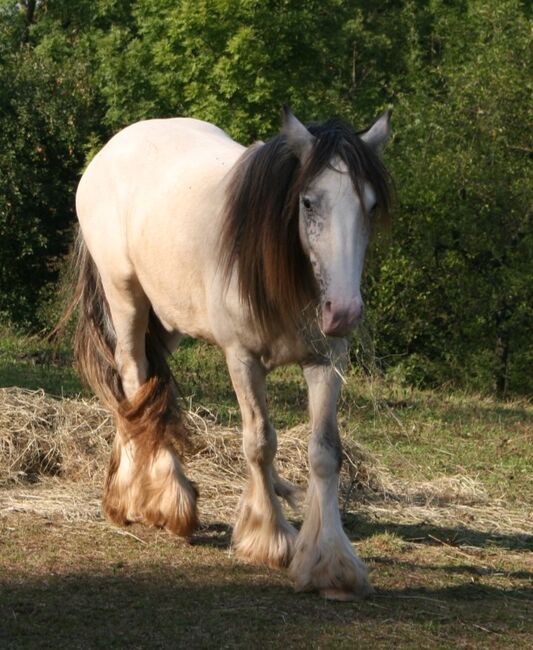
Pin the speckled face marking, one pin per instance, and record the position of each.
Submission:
(334, 230)
(313, 214)
(313, 210)
(342, 180)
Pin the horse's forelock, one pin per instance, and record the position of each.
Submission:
(335, 138)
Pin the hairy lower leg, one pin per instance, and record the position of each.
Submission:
(145, 480)
(156, 492)
(324, 559)
(261, 533)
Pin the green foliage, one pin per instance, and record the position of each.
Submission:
(450, 299)
(457, 283)
(42, 106)
(235, 62)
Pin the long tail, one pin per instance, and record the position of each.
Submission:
(155, 489)
(94, 336)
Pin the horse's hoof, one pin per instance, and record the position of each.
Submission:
(341, 595)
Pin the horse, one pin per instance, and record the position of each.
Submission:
(259, 250)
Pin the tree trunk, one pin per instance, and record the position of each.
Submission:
(501, 362)
(29, 5)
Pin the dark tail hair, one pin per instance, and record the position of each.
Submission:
(94, 338)
(152, 417)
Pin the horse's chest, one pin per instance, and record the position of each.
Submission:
(282, 352)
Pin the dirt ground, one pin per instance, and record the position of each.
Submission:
(450, 556)
(72, 580)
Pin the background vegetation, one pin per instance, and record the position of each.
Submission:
(450, 299)
(447, 532)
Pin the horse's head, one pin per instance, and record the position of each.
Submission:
(343, 184)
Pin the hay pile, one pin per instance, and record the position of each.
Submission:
(70, 439)
(53, 455)
(41, 436)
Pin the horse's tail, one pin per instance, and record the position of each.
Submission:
(94, 336)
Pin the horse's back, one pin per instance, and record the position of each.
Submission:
(149, 206)
(147, 159)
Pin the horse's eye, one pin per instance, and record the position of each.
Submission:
(307, 203)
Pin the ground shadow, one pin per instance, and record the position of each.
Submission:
(460, 569)
(166, 609)
(360, 527)
(216, 535)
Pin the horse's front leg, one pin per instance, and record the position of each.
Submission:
(324, 559)
(261, 533)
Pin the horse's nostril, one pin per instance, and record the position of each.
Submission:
(327, 306)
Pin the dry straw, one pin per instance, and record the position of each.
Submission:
(53, 454)
(70, 439)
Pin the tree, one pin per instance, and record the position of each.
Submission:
(454, 292)
(45, 116)
(235, 62)
(450, 299)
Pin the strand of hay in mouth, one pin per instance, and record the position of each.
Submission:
(62, 447)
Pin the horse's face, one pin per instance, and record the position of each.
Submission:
(334, 224)
(334, 231)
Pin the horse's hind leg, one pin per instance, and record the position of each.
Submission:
(261, 533)
(145, 480)
(324, 559)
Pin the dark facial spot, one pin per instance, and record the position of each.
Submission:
(314, 223)
(307, 203)
(320, 275)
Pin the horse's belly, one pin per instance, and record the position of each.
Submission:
(177, 295)
(175, 252)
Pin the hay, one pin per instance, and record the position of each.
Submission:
(53, 455)
(43, 436)
(52, 497)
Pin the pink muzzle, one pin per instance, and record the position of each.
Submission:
(340, 319)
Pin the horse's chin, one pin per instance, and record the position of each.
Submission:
(339, 332)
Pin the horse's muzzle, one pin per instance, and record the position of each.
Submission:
(340, 320)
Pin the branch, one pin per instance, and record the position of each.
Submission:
(29, 5)
(518, 148)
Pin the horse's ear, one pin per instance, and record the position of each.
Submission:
(377, 135)
(298, 137)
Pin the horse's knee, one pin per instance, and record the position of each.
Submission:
(260, 444)
(325, 454)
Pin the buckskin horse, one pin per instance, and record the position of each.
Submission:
(259, 250)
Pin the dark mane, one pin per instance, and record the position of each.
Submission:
(260, 236)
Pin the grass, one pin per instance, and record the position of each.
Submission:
(440, 583)
(91, 586)
(29, 362)
(416, 433)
